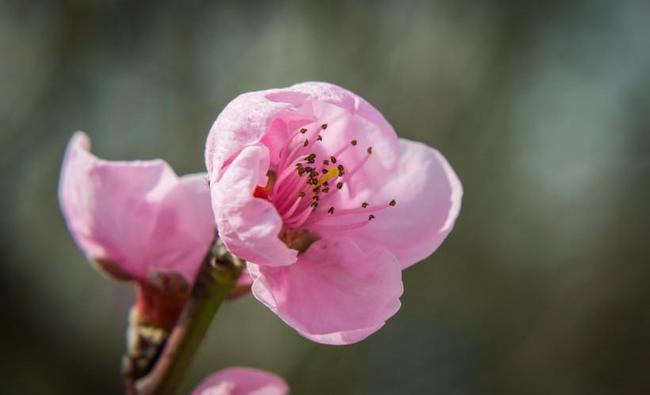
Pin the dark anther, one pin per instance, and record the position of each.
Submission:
(325, 190)
(324, 171)
(331, 210)
(326, 162)
(303, 130)
(333, 159)
(306, 143)
(353, 142)
(339, 185)
(364, 204)
(371, 217)
(392, 203)
(319, 138)
(369, 150)
(301, 194)
(323, 126)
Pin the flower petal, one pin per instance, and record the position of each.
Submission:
(184, 228)
(355, 104)
(249, 117)
(428, 195)
(137, 215)
(242, 122)
(242, 381)
(335, 294)
(249, 226)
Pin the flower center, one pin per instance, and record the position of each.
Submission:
(298, 239)
(304, 181)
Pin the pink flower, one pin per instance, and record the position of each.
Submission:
(312, 186)
(137, 220)
(242, 381)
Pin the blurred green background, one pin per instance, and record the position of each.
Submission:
(541, 107)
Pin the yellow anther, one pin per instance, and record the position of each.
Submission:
(332, 173)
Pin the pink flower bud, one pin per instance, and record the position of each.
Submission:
(138, 221)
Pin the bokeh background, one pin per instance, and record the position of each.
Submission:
(541, 107)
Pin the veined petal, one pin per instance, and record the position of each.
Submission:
(138, 216)
(184, 227)
(335, 294)
(242, 122)
(249, 226)
(250, 117)
(428, 199)
(355, 104)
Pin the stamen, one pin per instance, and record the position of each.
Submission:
(316, 218)
(293, 147)
(392, 203)
(360, 164)
(284, 192)
(337, 227)
(298, 220)
(293, 207)
(341, 150)
(304, 185)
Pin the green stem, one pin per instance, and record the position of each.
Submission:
(216, 279)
